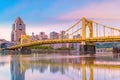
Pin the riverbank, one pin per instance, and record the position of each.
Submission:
(40, 51)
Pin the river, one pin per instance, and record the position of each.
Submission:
(56, 67)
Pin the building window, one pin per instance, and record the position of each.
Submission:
(20, 27)
(12, 37)
(13, 26)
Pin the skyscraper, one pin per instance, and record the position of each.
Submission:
(18, 29)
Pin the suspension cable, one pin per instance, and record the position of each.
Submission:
(73, 26)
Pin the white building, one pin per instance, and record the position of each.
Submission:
(64, 35)
(42, 36)
(55, 35)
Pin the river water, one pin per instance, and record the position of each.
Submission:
(55, 67)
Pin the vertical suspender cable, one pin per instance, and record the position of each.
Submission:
(104, 30)
(96, 29)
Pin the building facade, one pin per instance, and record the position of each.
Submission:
(54, 35)
(18, 29)
(40, 36)
(64, 35)
(76, 45)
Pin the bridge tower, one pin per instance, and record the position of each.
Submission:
(87, 48)
(86, 23)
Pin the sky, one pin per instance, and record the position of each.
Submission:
(56, 15)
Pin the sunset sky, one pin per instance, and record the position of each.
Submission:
(56, 15)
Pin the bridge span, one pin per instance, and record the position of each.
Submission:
(96, 32)
(78, 40)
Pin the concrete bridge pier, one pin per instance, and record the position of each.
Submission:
(116, 52)
(87, 49)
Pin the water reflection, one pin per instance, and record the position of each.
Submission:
(15, 68)
(69, 68)
(83, 68)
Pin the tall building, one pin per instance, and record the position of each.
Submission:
(77, 36)
(64, 35)
(18, 29)
(76, 45)
(42, 36)
(54, 35)
(33, 36)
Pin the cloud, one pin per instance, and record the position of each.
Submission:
(5, 31)
(108, 9)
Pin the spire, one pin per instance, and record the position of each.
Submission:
(19, 21)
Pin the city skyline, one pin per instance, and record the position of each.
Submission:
(42, 15)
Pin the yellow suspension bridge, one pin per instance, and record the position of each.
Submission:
(90, 31)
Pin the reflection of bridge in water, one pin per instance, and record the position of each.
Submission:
(76, 68)
(96, 33)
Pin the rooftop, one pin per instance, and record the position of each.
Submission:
(19, 20)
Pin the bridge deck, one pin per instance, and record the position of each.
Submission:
(78, 40)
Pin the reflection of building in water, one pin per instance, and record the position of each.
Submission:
(54, 69)
(42, 68)
(2, 63)
(76, 68)
(16, 73)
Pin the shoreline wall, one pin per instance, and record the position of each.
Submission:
(51, 51)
